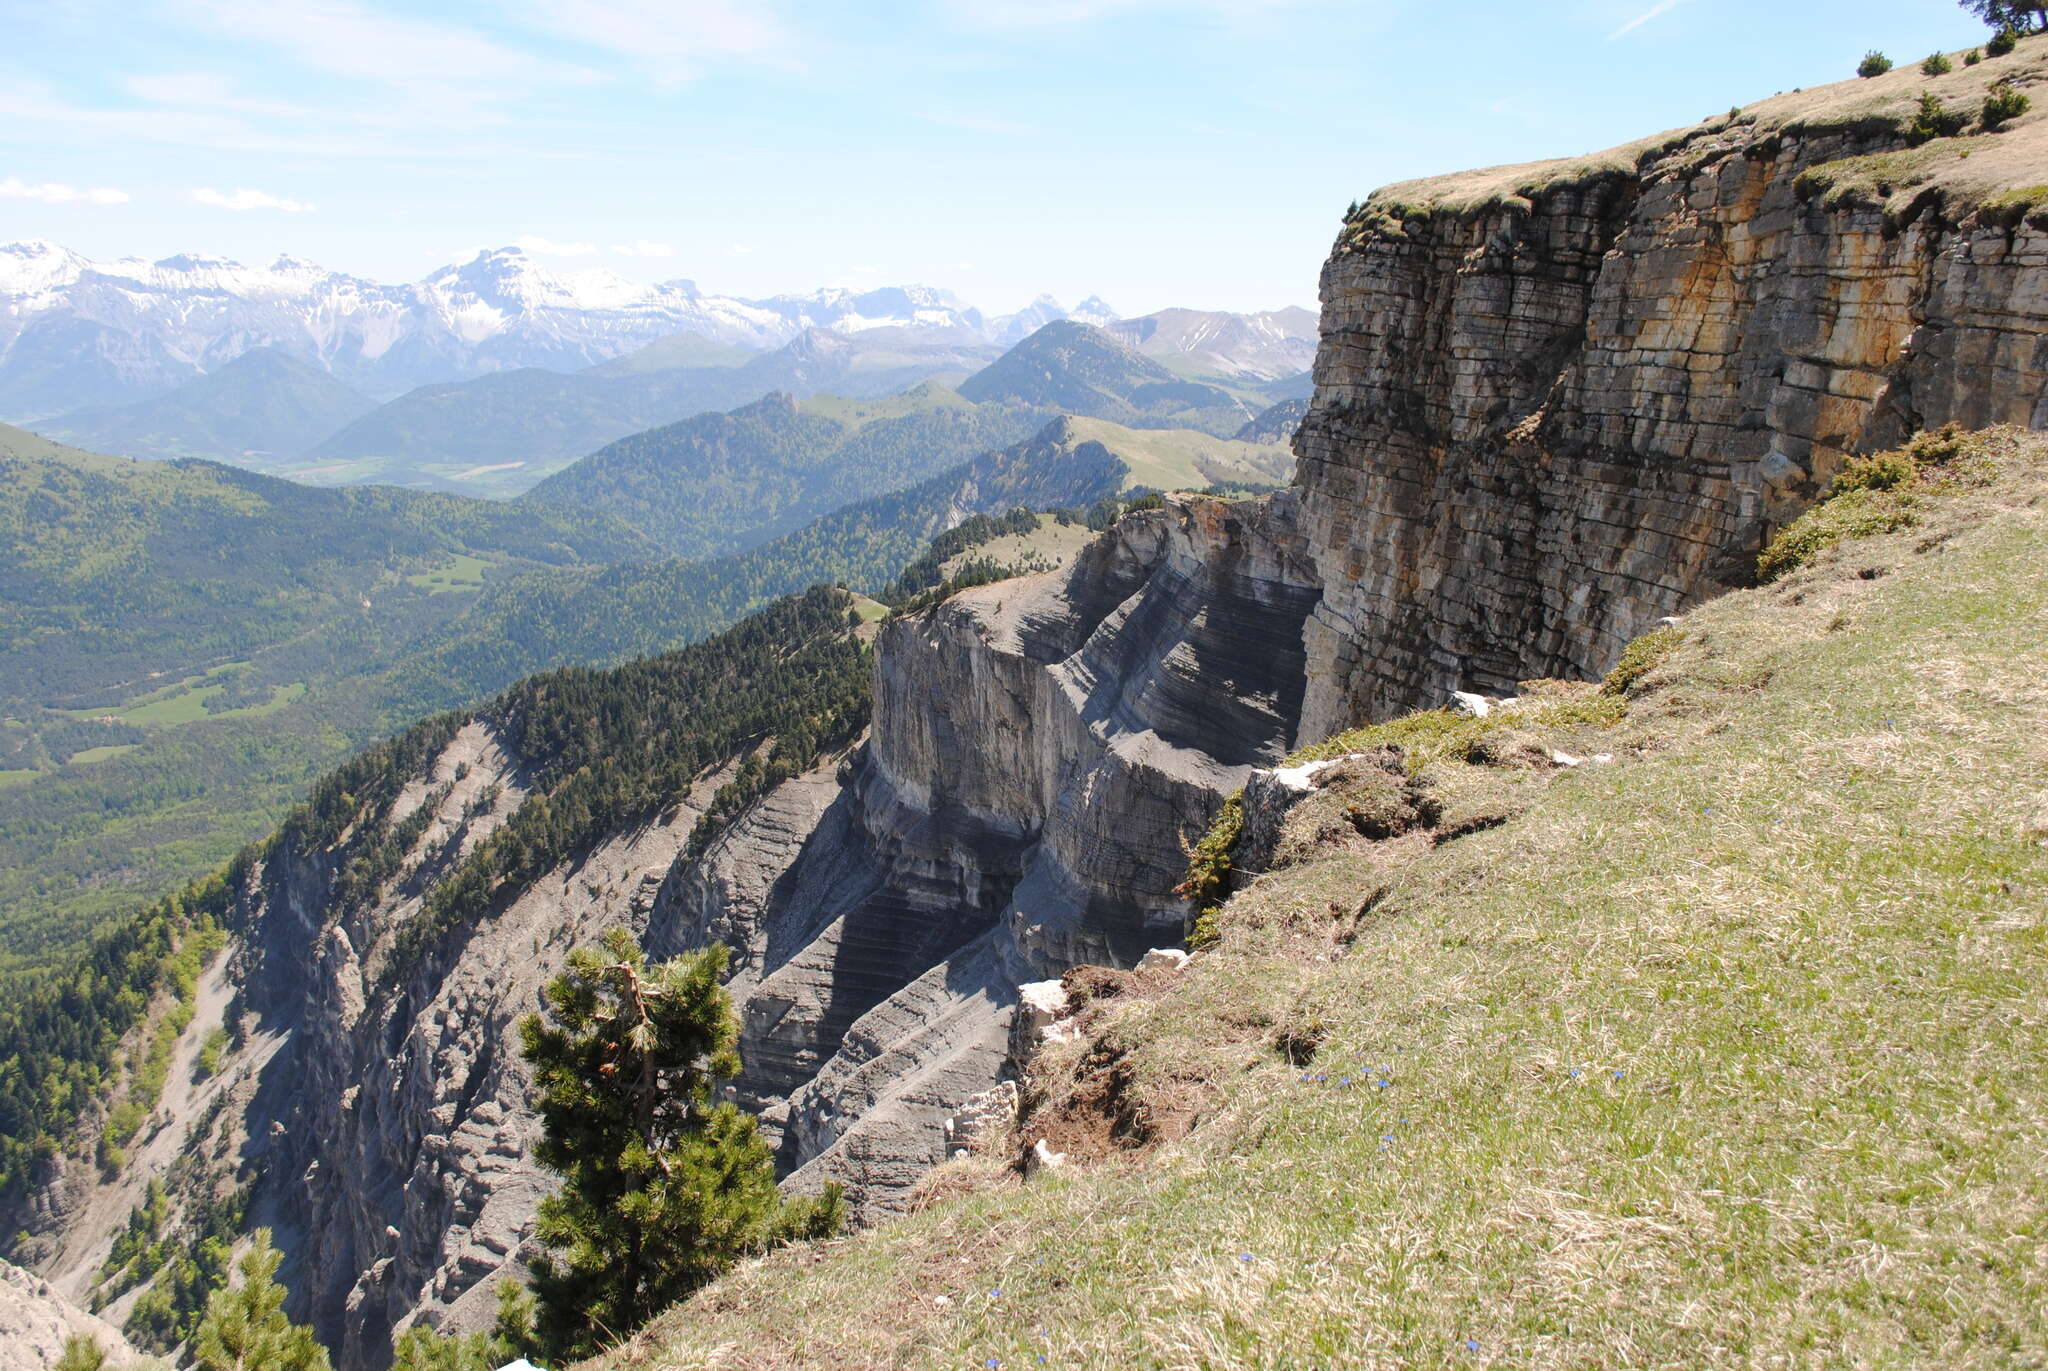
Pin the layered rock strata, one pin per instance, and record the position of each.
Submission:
(1557, 406)
(1041, 750)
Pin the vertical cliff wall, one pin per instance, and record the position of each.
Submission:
(1041, 750)
(1555, 403)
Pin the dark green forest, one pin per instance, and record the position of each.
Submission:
(721, 483)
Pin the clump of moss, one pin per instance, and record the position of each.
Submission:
(1879, 471)
(1207, 882)
(2010, 208)
(1858, 514)
(1872, 495)
(1639, 659)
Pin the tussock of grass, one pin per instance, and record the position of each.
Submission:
(1727, 1054)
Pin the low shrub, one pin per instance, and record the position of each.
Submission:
(1874, 63)
(2003, 42)
(1938, 65)
(2004, 104)
(1972, 57)
(1934, 120)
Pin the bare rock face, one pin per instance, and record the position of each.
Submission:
(1041, 748)
(1544, 421)
(35, 1322)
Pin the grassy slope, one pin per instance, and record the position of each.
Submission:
(1976, 168)
(1725, 1054)
(1185, 459)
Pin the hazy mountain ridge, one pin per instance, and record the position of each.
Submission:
(264, 402)
(76, 333)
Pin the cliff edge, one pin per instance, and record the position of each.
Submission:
(1557, 402)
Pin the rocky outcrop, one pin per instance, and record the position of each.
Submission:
(1041, 749)
(36, 1321)
(1556, 403)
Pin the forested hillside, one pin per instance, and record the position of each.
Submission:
(344, 614)
(600, 748)
(720, 483)
(174, 643)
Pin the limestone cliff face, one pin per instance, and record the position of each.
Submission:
(1561, 404)
(1040, 749)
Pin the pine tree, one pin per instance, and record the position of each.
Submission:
(245, 1327)
(662, 1189)
(425, 1349)
(2022, 16)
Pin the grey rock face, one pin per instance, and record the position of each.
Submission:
(1040, 749)
(35, 1322)
(1541, 425)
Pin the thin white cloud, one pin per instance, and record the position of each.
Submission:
(1002, 128)
(246, 199)
(672, 40)
(54, 193)
(547, 247)
(643, 248)
(1660, 8)
(453, 73)
(204, 91)
(739, 249)
(1020, 14)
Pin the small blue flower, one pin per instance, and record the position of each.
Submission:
(996, 1293)
(992, 1362)
(1617, 1075)
(1244, 1256)
(1575, 1073)
(1386, 1137)
(1471, 1345)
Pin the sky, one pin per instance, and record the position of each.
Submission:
(1155, 152)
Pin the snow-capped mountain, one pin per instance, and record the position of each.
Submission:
(1263, 347)
(77, 333)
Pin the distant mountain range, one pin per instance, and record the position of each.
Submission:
(77, 334)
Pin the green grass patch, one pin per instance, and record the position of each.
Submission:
(18, 776)
(101, 754)
(460, 572)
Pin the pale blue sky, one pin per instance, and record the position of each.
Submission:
(1157, 152)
